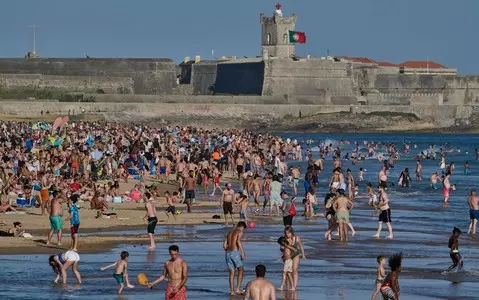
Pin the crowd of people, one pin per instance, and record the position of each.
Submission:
(89, 161)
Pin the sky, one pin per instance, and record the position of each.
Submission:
(444, 31)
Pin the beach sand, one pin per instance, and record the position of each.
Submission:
(129, 217)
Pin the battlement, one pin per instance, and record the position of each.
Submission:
(409, 95)
(278, 19)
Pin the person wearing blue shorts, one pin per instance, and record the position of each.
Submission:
(234, 256)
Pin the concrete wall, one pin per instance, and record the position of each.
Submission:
(90, 84)
(306, 77)
(150, 76)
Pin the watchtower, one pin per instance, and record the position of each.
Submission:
(275, 34)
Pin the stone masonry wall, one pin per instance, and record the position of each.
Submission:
(149, 76)
(89, 84)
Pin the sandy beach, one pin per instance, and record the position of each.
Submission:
(129, 216)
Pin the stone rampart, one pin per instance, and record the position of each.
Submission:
(149, 76)
(89, 84)
(306, 77)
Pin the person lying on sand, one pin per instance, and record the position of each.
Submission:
(16, 231)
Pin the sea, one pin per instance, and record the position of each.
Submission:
(421, 223)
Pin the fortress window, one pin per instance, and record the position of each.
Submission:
(268, 39)
(285, 38)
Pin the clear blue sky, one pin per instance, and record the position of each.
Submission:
(445, 31)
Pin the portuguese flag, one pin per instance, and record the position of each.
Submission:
(297, 37)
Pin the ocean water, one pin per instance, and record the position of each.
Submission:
(332, 270)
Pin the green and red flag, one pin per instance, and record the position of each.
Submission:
(297, 37)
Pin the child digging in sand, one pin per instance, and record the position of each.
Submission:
(288, 264)
(121, 271)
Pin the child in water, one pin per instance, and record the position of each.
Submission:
(121, 271)
(288, 263)
(454, 251)
(361, 174)
(380, 274)
(390, 287)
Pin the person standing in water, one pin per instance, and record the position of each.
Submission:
(380, 275)
(385, 216)
(235, 255)
(473, 211)
(151, 217)
(390, 287)
(418, 171)
(176, 269)
(260, 288)
(454, 251)
(446, 186)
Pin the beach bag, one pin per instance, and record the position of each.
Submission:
(292, 210)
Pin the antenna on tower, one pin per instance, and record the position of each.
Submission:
(212, 53)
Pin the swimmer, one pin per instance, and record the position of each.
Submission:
(380, 275)
(418, 170)
(454, 251)
(385, 216)
(121, 271)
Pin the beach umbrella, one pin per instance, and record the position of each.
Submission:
(64, 121)
(57, 123)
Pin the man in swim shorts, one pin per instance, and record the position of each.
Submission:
(473, 211)
(176, 269)
(56, 220)
(151, 217)
(260, 288)
(234, 255)
(226, 203)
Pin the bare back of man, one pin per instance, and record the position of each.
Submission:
(260, 288)
(234, 256)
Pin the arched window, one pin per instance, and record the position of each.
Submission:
(285, 38)
(268, 39)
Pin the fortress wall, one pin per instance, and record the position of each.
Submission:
(150, 76)
(402, 83)
(207, 99)
(88, 84)
(240, 78)
(463, 90)
(210, 110)
(308, 77)
(203, 78)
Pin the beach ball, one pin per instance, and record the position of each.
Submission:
(252, 224)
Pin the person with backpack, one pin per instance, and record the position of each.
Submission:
(289, 209)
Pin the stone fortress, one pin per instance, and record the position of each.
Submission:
(309, 85)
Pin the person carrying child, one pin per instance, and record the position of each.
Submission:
(121, 271)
